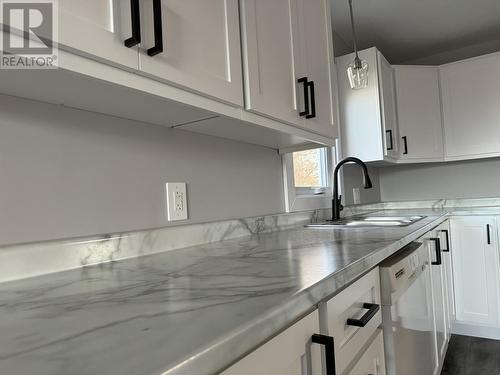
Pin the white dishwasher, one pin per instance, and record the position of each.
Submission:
(407, 312)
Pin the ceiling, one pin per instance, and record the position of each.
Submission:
(419, 31)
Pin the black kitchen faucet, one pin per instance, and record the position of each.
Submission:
(336, 205)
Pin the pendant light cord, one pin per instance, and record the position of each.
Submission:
(357, 61)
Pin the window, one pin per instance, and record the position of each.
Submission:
(310, 171)
(308, 179)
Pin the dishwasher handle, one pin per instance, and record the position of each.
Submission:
(373, 308)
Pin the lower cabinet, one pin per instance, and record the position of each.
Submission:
(372, 361)
(350, 342)
(290, 353)
(476, 275)
(439, 294)
(353, 318)
(444, 234)
(464, 284)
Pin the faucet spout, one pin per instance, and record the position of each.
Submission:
(336, 204)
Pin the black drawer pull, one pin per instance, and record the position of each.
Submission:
(437, 248)
(135, 16)
(306, 110)
(391, 147)
(313, 100)
(373, 308)
(488, 236)
(328, 343)
(158, 47)
(447, 232)
(405, 141)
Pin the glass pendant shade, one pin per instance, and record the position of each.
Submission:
(357, 72)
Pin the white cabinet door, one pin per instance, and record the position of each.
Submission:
(200, 46)
(288, 62)
(271, 59)
(359, 300)
(98, 28)
(289, 353)
(270, 42)
(372, 362)
(443, 232)
(470, 94)
(388, 106)
(419, 112)
(438, 289)
(475, 269)
(317, 54)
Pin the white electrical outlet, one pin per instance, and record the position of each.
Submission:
(356, 196)
(176, 201)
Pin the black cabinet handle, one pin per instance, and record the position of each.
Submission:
(373, 308)
(391, 147)
(488, 234)
(313, 100)
(135, 15)
(447, 232)
(158, 47)
(306, 110)
(437, 248)
(327, 342)
(405, 141)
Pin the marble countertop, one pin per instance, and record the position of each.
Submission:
(188, 311)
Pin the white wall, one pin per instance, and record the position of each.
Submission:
(341, 47)
(353, 178)
(466, 179)
(66, 173)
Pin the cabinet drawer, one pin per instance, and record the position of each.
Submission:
(351, 304)
(286, 354)
(372, 361)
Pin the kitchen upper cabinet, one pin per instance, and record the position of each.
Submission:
(368, 116)
(271, 64)
(194, 44)
(290, 353)
(98, 28)
(419, 113)
(471, 97)
(475, 269)
(317, 56)
(287, 54)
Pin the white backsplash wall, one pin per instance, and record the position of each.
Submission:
(353, 178)
(465, 179)
(67, 173)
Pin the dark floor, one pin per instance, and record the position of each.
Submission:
(472, 356)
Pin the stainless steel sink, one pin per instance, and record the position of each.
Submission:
(370, 221)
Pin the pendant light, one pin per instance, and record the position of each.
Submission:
(357, 71)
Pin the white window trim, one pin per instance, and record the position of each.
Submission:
(305, 202)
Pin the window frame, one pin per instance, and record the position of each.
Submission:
(305, 199)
